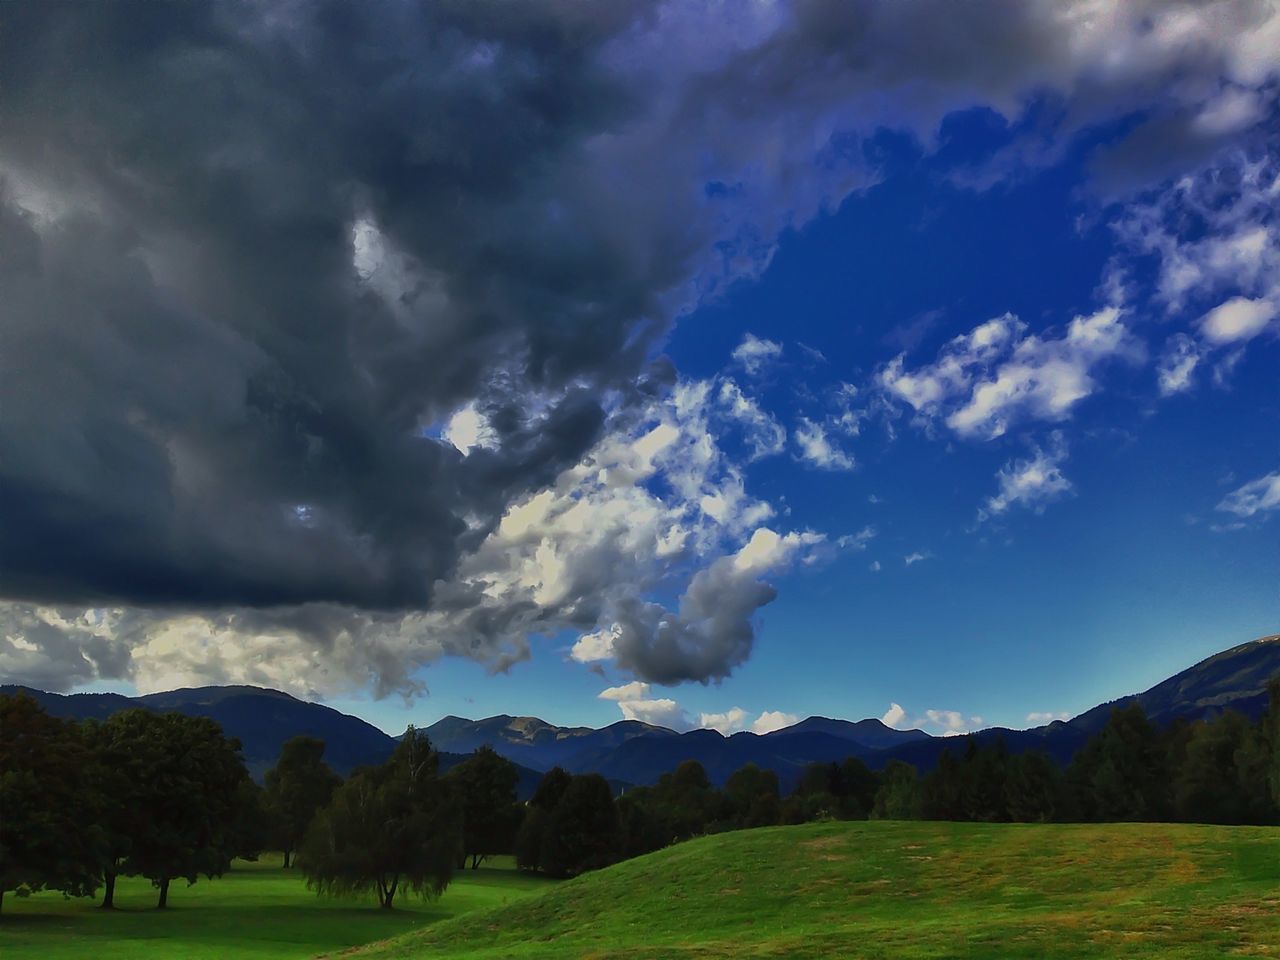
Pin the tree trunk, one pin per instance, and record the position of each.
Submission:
(1, 899)
(286, 859)
(475, 860)
(164, 893)
(109, 890)
(391, 894)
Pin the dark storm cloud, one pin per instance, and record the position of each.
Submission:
(199, 403)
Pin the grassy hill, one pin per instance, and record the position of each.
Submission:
(898, 890)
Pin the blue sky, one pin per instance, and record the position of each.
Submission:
(1130, 575)
(708, 365)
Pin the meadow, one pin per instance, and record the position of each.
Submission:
(258, 911)
(883, 890)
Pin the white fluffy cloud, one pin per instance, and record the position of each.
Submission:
(636, 702)
(1237, 319)
(916, 557)
(1031, 483)
(1039, 718)
(1256, 496)
(761, 431)
(771, 720)
(894, 717)
(754, 354)
(729, 722)
(998, 375)
(948, 723)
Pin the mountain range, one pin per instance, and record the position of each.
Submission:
(631, 752)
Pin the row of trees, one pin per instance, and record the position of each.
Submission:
(162, 796)
(166, 796)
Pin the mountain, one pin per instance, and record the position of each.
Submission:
(262, 720)
(631, 752)
(536, 743)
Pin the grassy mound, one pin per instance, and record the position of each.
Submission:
(898, 890)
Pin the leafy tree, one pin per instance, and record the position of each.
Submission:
(533, 831)
(1122, 773)
(753, 797)
(584, 832)
(899, 796)
(388, 829)
(686, 802)
(45, 839)
(296, 788)
(486, 785)
(859, 783)
(184, 792)
(1032, 788)
(1223, 776)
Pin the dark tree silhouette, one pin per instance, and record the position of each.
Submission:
(486, 787)
(390, 828)
(296, 788)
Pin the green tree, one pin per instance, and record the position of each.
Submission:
(753, 797)
(533, 830)
(46, 837)
(1032, 788)
(1223, 775)
(584, 832)
(390, 828)
(185, 789)
(899, 796)
(297, 787)
(1127, 773)
(486, 786)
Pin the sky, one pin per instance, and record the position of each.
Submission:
(707, 364)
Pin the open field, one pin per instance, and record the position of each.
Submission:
(900, 890)
(873, 890)
(257, 911)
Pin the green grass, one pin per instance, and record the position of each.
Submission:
(899, 890)
(865, 890)
(256, 911)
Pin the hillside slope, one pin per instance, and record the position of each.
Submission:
(895, 891)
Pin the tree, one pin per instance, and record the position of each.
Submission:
(46, 837)
(899, 796)
(389, 828)
(296, 788)
(184, 793)
(753, 797)
(584, 832)
(1223, 775)
(533, 830)
(1032, 788)
(486, 785)
(1122, 773)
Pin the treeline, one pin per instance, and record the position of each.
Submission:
(165, 797)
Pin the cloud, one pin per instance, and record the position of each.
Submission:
(998, 375)
(875, 566)
(1039, 718)
(636, 690)
(947, 723)
(817, 449)
(729, 722)
(1237, 319)
(1032, 483)
(754, 354)
(1256, 496)
(894, 717)
(771, 720)
(764, 435)
(424, 419)
(916, 557)
(660, 713)
(1177, 364)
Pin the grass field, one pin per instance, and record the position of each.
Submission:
(867, 890)
(257, 911)
(899, 890)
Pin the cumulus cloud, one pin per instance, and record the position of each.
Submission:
(424, 312)
(771, 720)
(763, 434)
(999, 375)
(1039, 718)
(1256, 496)
(754, 354)
(729, 722)
(894, 717)
(916, 557)
(1031, 483)
(947, 723)
(1237, 319)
